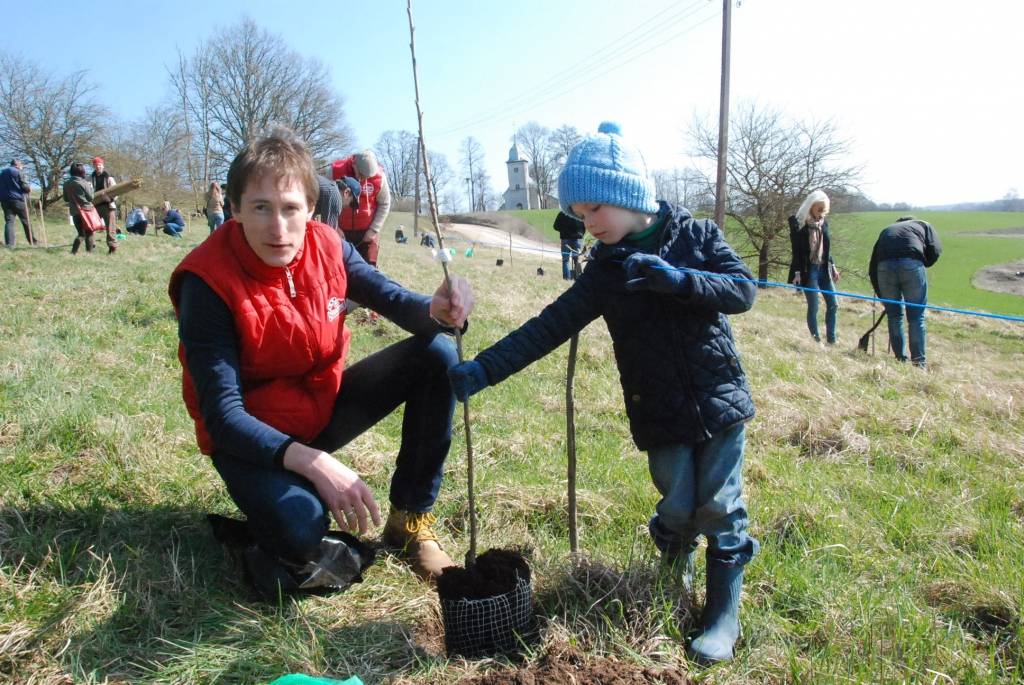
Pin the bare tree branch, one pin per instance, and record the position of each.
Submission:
(48, 122)
(772, 164)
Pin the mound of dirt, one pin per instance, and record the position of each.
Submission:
(570, 666)
(503, 221)
(1001, 278)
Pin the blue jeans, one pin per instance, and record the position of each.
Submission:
(172, 229)
(285, 513)
(214, 220)
(820, 278)
(904, 279)
(701, 489)
(569, 248)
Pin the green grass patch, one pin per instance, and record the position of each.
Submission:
(888, 500)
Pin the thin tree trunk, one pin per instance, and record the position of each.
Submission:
(762, 265)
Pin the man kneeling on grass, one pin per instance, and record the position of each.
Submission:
(261, 320)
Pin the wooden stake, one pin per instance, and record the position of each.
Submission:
(42, 221)
(570, 431)
(432, 202)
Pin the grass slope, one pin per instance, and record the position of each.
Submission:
(888, 500)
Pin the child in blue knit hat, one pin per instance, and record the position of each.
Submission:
(651, 276)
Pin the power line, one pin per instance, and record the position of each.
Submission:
(566, 73)
(558, 85)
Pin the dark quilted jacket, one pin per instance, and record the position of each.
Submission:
(680, 372)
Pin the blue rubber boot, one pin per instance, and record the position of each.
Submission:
(681, 567)
(720, 624)
(676, 557)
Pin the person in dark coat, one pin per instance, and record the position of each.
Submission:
(570, 234)
(14, 192)
(897, 269)
(812, 265)
(78, 193)
(328, 202)
(652, 278)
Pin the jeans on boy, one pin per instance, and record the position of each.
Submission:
(701, 489)
(172, 229)
(285, 513)
(818, 277)
(16, 209)
(904, 279)
(569, 248)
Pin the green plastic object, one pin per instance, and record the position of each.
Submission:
(300, 679)
(469, 251)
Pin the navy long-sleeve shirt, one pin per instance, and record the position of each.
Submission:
(207, 331)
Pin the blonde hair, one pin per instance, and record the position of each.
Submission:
(815, 197)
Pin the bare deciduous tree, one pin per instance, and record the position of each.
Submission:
(560, 142)
(441, 173)
(472, 153)
(686, 187)
(534, 141)
(397, 152)
(48, 121)
(236, 89)
(772, 164)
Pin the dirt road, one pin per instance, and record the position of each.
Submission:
(484, 236)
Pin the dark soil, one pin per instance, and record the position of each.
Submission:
(570, 666)
(496, 572)
(1001, 278)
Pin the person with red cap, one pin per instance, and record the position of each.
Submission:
(101, 180)
(361, 224)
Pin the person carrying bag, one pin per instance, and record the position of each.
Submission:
(78, 193)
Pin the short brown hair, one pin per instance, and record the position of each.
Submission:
(280, 153)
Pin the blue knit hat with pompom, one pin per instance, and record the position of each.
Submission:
(605, 169)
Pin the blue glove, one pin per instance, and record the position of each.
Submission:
(651, 272)
(467, 378)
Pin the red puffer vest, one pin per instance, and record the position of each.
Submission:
(292, 338)
(358, 219)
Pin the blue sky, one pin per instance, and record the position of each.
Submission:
(927, 92)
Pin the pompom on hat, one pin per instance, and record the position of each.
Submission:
(605, 169)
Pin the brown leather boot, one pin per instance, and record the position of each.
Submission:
(411, 532)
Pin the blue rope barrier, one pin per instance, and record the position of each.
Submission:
(776, 284)
(855, 296)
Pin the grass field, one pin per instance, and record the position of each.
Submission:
(888, 500)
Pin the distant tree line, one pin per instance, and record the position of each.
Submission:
(218, 98)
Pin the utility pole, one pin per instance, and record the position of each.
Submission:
(469, 186)
(723, 117)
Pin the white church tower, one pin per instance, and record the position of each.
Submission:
(518, 194)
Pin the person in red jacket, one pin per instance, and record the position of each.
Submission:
(263, 346)
(361, 225)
